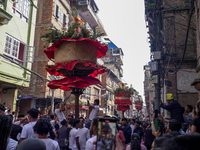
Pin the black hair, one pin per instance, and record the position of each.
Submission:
(174, 125)
(57, 126)
(138, 122)
(149, 138)
(56, 103)
(135, 142)
(75, 122)
(96, 101)
(20, 115)
(159, 141)
(33, 112)
(43, 126)
(16, 129)
(182, 142)
(124, 119)
(52, 117)
(13, 112)
(63, 122)
(133, 119)
(2, 107)
(5, 127)
(95, 122)
(190, 107)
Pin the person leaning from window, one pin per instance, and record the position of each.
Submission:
(174, 108)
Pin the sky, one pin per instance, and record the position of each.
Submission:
(124, 23)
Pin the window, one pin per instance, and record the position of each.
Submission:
(11, 46)
(21, 9)
(18, 51)
(61, 17)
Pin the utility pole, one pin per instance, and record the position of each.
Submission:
(157, 54)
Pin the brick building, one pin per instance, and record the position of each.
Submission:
(172, 31)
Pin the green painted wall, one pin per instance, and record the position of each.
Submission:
(18, 29)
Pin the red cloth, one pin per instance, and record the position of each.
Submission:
(121, 136)
(121, 107)
(101, 48)
(77, 82)
(71, 64)
(123, 102)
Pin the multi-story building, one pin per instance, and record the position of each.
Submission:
(112, 78)
(17, 30)
(50, 13)
(173, 45)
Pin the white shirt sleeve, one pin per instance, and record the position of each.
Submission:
(87, 135)
(96, 107)
(76, 135)
(89, 145)
(24, 133)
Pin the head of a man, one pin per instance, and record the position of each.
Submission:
(42, 127)
(56, 105)
(170, 98)
(76, 123)
(33, 114)
(96, 102)
(174, 125)
(81, 122)
(94, 126)
(132, 121)
(63, 122)
(124, 121)
(2, 109)
(137, 124)
(188, 108)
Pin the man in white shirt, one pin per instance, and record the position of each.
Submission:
(93, 113)
(59, 111)
(132, 125)
(74, 137)
(94, 131)
(83, 133)
(27, 130)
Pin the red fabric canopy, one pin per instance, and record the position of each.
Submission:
(77, 82)
(101, 48)
(120, 107)
(71, 64)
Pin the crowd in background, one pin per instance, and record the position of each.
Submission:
(57, 131)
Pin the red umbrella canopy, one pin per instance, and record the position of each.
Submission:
(101, 48)
(77, 82)
(54, 69)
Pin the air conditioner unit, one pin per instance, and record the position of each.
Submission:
(83, 2)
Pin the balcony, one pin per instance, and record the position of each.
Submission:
(89, 11)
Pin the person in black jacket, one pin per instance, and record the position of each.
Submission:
(138, 129)
(174, 108)
(126, 130)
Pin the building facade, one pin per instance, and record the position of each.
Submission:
(17, 30)
(172, 37)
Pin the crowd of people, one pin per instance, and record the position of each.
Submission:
(60, 132)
